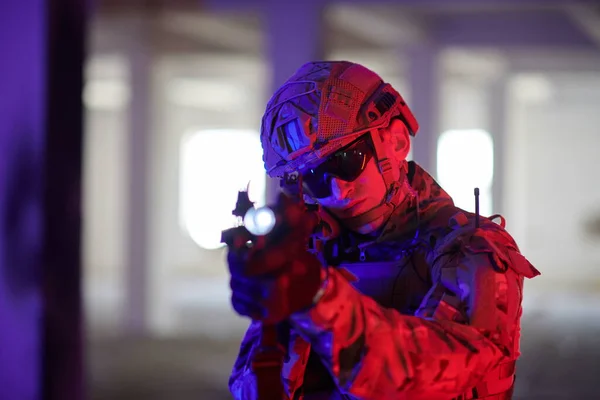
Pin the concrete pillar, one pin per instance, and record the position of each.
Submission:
(41, 74)
(63, 331)
(139, 139)
(424, 82)
(293, 37)
(497, 122)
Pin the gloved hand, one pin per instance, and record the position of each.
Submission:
(276, 276)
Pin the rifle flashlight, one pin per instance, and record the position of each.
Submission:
(260, 221)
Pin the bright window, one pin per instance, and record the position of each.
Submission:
(215, 165)
(465, 160)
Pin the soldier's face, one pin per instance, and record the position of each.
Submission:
(348, 183)
(349, 199)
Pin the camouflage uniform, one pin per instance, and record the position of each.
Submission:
(429, 310)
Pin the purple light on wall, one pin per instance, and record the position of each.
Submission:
(22, 52)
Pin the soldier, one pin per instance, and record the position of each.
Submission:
(404, 295)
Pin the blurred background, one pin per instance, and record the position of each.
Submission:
(508, 96)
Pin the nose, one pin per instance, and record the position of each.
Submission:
(340, 188)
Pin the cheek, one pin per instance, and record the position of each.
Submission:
(363, 186)
(370, 183)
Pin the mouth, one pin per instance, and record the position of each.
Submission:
(350, 208)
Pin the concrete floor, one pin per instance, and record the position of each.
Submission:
(560, 360)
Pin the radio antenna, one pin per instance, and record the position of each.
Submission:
(476, 191)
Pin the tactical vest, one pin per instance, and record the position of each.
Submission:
(402, 284)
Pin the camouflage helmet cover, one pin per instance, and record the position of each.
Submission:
(323, 107)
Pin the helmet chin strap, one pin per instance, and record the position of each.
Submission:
(394, 195)
(382, 211)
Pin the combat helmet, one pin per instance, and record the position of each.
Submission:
(323, 107)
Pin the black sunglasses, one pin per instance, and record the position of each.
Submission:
(346, 164)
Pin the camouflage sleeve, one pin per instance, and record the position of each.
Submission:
(466, 325)
(242, 381)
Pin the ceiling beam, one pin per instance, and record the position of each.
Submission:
(216, 30)
(587, 17)
(540, 29)
(376, 27)
(553, 61)
(393, 26)
(240, 5)
(462, 3)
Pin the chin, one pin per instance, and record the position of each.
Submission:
(370, 227)
(362, 208)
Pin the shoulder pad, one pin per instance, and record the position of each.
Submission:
(489, 238)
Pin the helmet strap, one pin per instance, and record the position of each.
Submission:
(383, 162)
